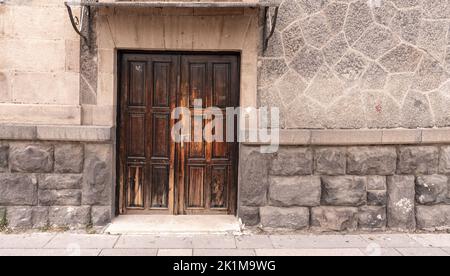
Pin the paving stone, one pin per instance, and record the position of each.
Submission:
(309, 252)
(24, 241)
(317, 241)
(63, 241)
(254, 241)
(151, 242)
(432, 240)
(130, 252)
(175, 252)
(70, 252)
(374, 250)
(391, 240)
(422, 252)
(213, 242)
(224, 252)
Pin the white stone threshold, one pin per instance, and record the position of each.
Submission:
(166, 224)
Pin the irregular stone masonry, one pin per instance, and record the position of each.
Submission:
(55, 184)
(359, 64)
(400, 188)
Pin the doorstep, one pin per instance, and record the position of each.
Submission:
(161, 225)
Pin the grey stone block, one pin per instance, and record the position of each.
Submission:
(3, 220)
(60, 181)
(403, 58)
(254, 184)
(344, 190)
(97, 180)
(444, 162)
(71, 217)
(60, 197)
(418, 160)
(40, 217)
(69, 158)
(406, 23)
(330, 161)
(19, 217)
(4, 153)
(359, 18)
(432, 189)
(296, 218)
(433, 217)
(249, 215)
(376, 42)
(18, 189)
(400, 205)
(295, 191)
(101, 215)
(292, 161)
(376, 183)
(334, 218)
(376, 198)
(31, 158)
(372, 217)
(371, 160)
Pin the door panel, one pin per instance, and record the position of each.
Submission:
(156, 174)
(208, 168)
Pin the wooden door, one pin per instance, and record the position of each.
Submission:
(207, 178)
(156, 175)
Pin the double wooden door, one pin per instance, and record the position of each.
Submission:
(156, 173)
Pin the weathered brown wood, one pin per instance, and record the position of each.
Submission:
(157, 175)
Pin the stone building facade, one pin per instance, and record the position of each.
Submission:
(363, 87)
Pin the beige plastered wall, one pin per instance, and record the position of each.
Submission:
(39, 64)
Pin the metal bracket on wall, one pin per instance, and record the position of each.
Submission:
(78, 24)
(272, 19)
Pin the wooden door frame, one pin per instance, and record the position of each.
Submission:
(174, 209)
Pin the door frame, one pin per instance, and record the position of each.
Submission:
(173, 209)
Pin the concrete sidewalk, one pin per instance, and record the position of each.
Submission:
(67, 244)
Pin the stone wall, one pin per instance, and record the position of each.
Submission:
(55, 184)
(399, 188)
(359, 64)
